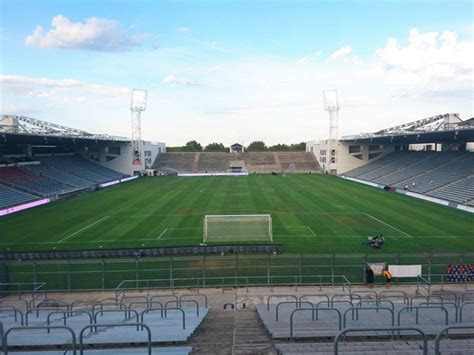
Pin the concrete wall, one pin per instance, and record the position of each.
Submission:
(118, 156)
(350, 155)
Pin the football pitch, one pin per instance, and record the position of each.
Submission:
(310, 213)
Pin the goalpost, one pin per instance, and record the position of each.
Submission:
(238, 228)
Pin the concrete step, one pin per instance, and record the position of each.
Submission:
(251, 336)
(215, 334)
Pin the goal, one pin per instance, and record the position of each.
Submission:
(238, 228)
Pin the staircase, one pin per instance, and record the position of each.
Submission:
(250, 334)
(194, 169)
(215, 334)
(231, 332)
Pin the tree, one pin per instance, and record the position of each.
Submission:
(279, 148)
(298, 147)
(216, 147)
(257, 146)
(192, 146)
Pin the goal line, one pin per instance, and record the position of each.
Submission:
(237, 228)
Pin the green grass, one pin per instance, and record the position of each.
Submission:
(311, 214)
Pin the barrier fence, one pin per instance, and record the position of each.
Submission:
(237, 270)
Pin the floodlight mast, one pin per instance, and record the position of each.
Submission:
(331, 104)
(137, 105)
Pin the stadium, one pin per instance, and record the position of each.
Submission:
(350, 244)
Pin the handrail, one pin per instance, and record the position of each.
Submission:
(5, 336)
(14, 310)
(37, 310)
(317, 312)
(142, 314)
(377, 303)
(461, 308)
(110, 325)
(447, 293)
(298, 303)
(376, 329)
(358, 292)
(427, 298)
(126, 312)
(195, 295)
(331, 303)
(137, 304)
(394, 294)
(314, 295)
(423, 304)
(350, 295)
(69, 313)
(132, 297)
(465, 293)
(180, 303)
(357, 309)
(444, 330)
(170, 282)
(417, 308)
(163, 296)
(278, 296)
(424, 283)
(102, 304)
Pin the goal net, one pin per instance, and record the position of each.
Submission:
(238, 228)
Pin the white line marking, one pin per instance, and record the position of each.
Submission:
(312, 232)
(275, 235)
(388, 225)
(162, 233)
(179, 228)
(82, 229)
(196, 237)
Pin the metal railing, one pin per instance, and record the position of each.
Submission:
(233, 281)
(47, 327)
(314, 310)
(235, 270)
(445, 330)
(343, 332)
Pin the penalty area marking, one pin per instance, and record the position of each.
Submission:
(162, 233)
(388, 225)
(82, 229)
(312, 232)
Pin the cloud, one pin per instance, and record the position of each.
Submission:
(182, 29)
(94, 34)
(172, 80)
(429, 59)
(343, 55)
(309, 58)
(53, 92)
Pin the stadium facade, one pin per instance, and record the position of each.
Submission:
(28, 137)
(446, 132)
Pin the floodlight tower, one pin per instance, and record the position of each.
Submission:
(137, 105)
(331, 104)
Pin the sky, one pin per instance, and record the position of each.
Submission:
(236, 71)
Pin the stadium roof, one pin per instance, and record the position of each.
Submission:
(25, 126)
(441, 128)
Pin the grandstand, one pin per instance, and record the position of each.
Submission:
(447, 175)
(431, 156)
(254, 162)
(128, 243)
